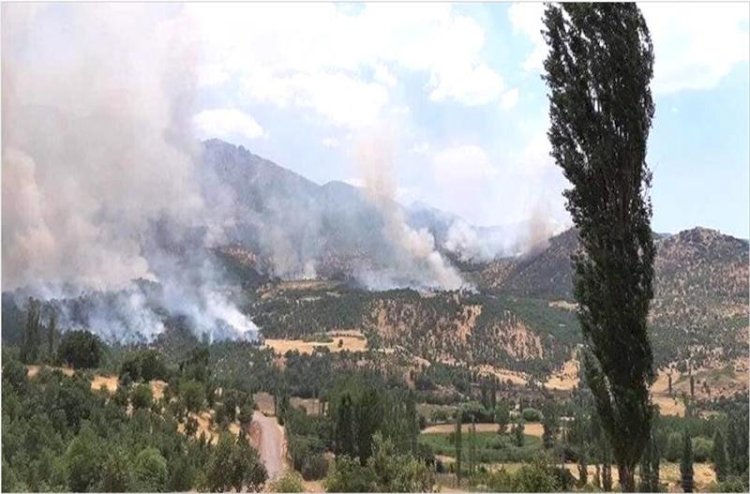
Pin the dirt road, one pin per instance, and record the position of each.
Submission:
(269, 438)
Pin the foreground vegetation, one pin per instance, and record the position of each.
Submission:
(362, 430)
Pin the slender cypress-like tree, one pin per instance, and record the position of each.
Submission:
(686, 463)
(518, 436)
(719, 457)
(459, 445)
(368, 415)
(472, 447)
(645, 470)
(598, 72)
(344, 431)
(655, 465)
(51, 335)
(31, 337)
(650, 467)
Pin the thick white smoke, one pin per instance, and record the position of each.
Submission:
(482, 244)
(469, 244)
(414, 262)
(97, 150)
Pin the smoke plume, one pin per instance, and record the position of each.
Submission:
(414, 260)
(98, 157)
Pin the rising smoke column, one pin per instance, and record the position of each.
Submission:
(413, 260)
(97, 149)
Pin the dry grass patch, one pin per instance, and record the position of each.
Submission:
(670, 405)
(530, 429)
(313, 486)
(566, 378)
(505, 375)
(33, 370)
(351, 340)
(205, 425)
(108, 383)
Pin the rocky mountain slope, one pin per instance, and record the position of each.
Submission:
(298, 228)
(523, 311)
(700, 306)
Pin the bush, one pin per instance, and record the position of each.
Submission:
(702, 447)
(536, 478)
(291, 481)
(150, 470)
(145, 365)
(733, 484)
(80, 349)
(314, 467)
(141, 396)
(246, 414)
(15, 373)
(439, 416)
(348, 475)
(531, 415)
(193, 394)
(476, 411)
(673, 451)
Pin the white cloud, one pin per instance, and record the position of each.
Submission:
(695, 44)
(509, 99)
(420, 148)
(463, 164)
(339, 97)
(344, 66)
(384, 75)
(226, 123)
(470, 85)
(331, 142)
(526, 18)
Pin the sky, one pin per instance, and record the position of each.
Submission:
(453, 95)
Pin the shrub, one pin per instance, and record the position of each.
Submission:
(150, 470)
(531, 415)
(144, 365)
(80, 349)
(536, 478)
(193, 394)
(439, 416)
(673, 451)
(291, 481)
(702, 447)
(314, 467)
(141, 396)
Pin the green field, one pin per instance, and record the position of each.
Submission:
(490, 447)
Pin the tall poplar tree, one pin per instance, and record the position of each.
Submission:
(51, 335)
(459, 445)
(31, 337)
(344, 431)
(686, 463)
(598, 72)
(719, 457)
